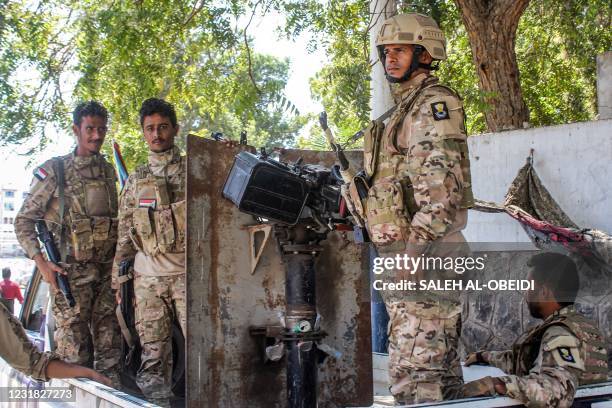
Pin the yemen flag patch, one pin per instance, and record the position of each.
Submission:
(147, 203)
(40, 173)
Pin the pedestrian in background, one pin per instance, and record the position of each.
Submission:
(9, 291)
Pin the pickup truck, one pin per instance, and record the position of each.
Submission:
(39, 326)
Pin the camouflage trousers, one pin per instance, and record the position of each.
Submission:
(88, 333)
(424, 362)
(158, 300)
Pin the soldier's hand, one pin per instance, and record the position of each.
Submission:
(48, 270)
(474, 358)
(471, 359)
(96, 376)
(483, 387)
(118, 296)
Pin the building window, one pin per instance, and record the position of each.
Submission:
(9, 193)
(24, 195)
(9, 206)
(5, 220)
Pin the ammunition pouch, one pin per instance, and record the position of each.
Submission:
(386, 210)
(97, 198)
(160, 231)
(371, 146)
(92, 238)
(82, 239)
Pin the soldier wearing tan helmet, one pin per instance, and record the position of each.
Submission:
(419, 174)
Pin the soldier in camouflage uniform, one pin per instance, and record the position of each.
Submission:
(17, 350)
(418, 169)
(152, 231)
(77, 196)
(547, 363)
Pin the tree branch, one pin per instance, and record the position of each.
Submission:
(196, 9)
(248, 49)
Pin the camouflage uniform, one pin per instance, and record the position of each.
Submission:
(87, 333)
(417, 198)
(152, 230)
(420, 188)
(18, 351)
(548, 363)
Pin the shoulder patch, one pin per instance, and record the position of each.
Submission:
(439, 110)
(566, 354)
(40, 173)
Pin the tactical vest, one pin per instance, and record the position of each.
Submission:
(592, 347)
(390, 203)
(90, 227)
(159, 216)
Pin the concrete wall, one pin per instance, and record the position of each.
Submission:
(604, 85)
(574, 162)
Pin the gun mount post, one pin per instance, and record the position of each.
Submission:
(299, 248)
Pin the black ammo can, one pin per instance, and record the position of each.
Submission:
(266, 189)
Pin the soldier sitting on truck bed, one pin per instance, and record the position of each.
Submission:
(547, 363)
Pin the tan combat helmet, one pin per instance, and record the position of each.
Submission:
(415, 29)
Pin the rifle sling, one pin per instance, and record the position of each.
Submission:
(59, 169)
(125, 331)
(381, 118)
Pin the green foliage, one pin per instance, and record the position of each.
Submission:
(55, 52)
(557, 42)
(30, 41)
(342, 86)
(189, 53)
(557, 45)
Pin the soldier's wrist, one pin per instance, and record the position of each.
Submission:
(500, 386)
(35, 254)
(480, 359)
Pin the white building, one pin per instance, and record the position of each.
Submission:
(11, 199)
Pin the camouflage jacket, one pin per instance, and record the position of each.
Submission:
(18, 351)
(89, 222)
(549, 362)
(420, 181)
(152, 211)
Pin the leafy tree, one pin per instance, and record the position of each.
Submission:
(193, 55)
(556, 45)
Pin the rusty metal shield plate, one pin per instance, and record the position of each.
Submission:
(225, 364)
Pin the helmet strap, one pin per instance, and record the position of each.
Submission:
(414, 65)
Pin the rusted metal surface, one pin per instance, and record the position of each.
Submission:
(224, 363)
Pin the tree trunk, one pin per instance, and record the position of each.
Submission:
(491, 26)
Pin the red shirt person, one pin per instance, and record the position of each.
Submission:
(9, 290)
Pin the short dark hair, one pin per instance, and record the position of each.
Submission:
(152, 106)
(6, 272)
(88, 108)
(558, 273)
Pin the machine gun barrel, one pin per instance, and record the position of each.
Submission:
(46, 237)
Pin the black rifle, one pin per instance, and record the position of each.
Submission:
(46, 237)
